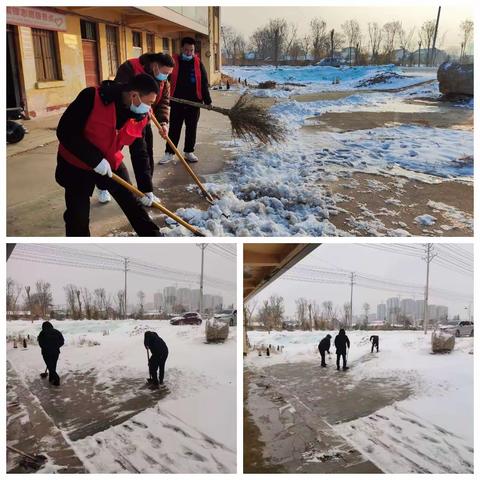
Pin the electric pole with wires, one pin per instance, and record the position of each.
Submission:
(352, 277)
(203, 247)
(429, 256)
(125, 259)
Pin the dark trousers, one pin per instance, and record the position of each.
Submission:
(374, 344)
(157, 363)
(51, 360)
(180, 114)
(322, 354)
(344, 358)
(141, 154)
(79, 185)
(143, 166)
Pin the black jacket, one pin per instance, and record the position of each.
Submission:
(155, 344)
(50, 340)
(324, 345)
(342, 342)
(186, 87)
(374, 338)
(72, 123)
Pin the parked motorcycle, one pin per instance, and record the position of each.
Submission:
(15, 130)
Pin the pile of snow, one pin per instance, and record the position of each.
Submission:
(201, 379)
(442, 342)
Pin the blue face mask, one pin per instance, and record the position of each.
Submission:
(161, 77)
(187, 57)
(141, 109)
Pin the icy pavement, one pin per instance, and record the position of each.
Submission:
(283, 189)
(399, 400)
(113, 423)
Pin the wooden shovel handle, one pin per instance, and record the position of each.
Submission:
(158, 205)
(182, 159)
(223, 111)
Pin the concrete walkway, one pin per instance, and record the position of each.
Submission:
(290, 410)
(35, 203)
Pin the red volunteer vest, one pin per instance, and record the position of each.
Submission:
(138, 69)
(100, 130)
(198, 75)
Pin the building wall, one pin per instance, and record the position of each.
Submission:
(45, 98)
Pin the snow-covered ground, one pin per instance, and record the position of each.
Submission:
(274, 190)
(193, 428)
(430, 429)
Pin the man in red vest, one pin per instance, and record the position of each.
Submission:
(188, 81)
(158, 66)
(92, 132)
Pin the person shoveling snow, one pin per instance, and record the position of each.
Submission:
(324, 346)
(374, 339)
(157, 361)
(341, 344)
(50, 340)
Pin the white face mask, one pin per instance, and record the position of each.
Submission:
(141, 109)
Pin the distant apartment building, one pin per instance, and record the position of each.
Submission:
(158, 301)
(382, 312)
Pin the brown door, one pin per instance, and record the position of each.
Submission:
(90, 53)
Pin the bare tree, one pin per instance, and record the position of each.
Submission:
(306, 44)
(302, 313)
(392, 32)
(375, 34)
(271, 312)
(466, 29)
(427, 32)
(249, 311)
(278, 31)
(351, 29)
(71, 297)
(319, 38)
(406, 44)
(87, 302)
(233, 44)
(366, 309)
(13, 292)
(141, 304)
(100, 300)
(346, 313)
(44, 297)
(120, 303)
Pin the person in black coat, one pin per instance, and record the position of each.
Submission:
(159, 354)
(341, 344)
(375, 342)
(50, 340)
(324, 346)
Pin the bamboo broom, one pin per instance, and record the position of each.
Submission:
(248, 119)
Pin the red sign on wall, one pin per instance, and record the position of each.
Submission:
(36, 18)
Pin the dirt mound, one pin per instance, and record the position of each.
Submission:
(384, 77)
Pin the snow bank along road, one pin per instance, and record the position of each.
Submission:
(405, 409)
(106, 416)
(336, 133)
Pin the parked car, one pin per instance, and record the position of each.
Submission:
(229, 316)
(189, 318)
(461, 329)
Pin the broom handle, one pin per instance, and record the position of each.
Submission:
(16, 450)
(182, 159)
(158, 205)
(223, 111)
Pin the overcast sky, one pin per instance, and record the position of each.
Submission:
(361, 259)
(181, 256)
(247, 19)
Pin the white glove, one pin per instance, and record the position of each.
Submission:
(103, 168)
(147, 199)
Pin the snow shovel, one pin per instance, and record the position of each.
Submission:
(188, 168)
(248, 119)
(149, 380)
(45, 373)
(158, 205)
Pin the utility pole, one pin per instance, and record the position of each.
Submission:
(419, 52)
(352, 276)
(203, 247)
(435, 37)
(125, 259)
(430, 255)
